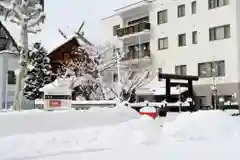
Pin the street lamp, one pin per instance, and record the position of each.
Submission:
(213, 71)
(190, 101)
(178, 87)
(118, 76)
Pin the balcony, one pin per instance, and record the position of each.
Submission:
(139, 29)
(135, 57)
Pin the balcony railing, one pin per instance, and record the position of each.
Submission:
(136, 55)
(136, 28)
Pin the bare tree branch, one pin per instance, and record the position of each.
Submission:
(35, 22)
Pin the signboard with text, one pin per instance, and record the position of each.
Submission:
(57, 102)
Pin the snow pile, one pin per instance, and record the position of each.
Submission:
(148, 110)
(41, 121)
(131, 133)
(231, 111)
(203, 125)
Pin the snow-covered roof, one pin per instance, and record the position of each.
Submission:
(5, 32)
(60, 42)
(156, 87)
(80, 39)
(58, 86)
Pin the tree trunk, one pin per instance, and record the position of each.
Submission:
(23, 67)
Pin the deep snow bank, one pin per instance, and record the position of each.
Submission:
(42, 121)
(203, 124)
(130, 133)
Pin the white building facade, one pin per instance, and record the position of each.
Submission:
(187, 37)
(9, 63)
(9, 57)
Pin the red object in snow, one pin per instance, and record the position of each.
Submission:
(151, 114)
(54, 103)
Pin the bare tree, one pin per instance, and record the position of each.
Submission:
(130, 83)
(83, 71)
(27, 14)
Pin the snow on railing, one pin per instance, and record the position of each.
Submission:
(110, 102)
(91, 103)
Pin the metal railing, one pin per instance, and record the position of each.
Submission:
(136, 55)
(135, 28)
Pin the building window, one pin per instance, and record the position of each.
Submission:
(182, 40)
(218, 33)
(163, 43)
(194, 7)
(115, 28)
(202, 100)
(11, 77)
(219, 68)
(194, 37)
(181, 70)
(162, 17)
(217, 3)
(181, 10)
(115, 77)
(211, 69)
(159, 71)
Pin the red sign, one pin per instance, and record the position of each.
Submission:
(54, 103)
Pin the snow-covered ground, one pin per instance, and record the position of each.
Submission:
(118, 133)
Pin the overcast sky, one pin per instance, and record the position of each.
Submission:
(68, 15)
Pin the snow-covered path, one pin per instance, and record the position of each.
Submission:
(202, 135)
(180, 151)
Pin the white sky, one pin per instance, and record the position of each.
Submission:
(68, 15)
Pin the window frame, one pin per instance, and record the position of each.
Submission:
(220, 72)
(226, 32)
(184, 43)
(213, 4)
(181, 10)
(194, 37)
(115, 28)
(11, 77)
(115, 77)
(163, 39)
(182, 69)
(164, 16)
(194, 7)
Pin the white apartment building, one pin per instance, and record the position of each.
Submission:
(187, 37)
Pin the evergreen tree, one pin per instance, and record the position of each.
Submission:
(39, 74)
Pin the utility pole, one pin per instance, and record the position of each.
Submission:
(179, 97)
(214, 85)
(119, 74)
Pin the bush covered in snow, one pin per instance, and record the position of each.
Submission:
(39, 73)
